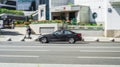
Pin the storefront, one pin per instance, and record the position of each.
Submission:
(66, 12)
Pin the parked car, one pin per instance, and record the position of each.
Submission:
(61, 35)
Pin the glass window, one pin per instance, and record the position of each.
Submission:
(67, 32)
(25, 0)
(42, 13)
(58, 32)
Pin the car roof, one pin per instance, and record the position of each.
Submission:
(66, 30)
(63, 30)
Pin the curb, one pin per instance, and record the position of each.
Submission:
(95, 39)
(85, 39)
(53, 65)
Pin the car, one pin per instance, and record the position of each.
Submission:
(61, 35)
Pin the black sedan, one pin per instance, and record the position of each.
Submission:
(61, 35)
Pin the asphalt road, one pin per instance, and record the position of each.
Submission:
(60, 53)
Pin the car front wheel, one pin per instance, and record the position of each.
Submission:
(72, 40)
(44, 40)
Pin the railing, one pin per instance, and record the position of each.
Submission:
(7, 5)
(77, 27)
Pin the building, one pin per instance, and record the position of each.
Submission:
(102, 12)
(28, 5)
(63, 10)
(112, 18)
(47, 7)
(8, 4)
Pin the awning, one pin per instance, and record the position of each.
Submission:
(12, 16)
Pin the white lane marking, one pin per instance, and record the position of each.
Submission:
(20, 50)
(60, 50)
(63, 46)
(28, 56)
(99, 51)
(88, 57)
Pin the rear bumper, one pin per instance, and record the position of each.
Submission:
(79, 39)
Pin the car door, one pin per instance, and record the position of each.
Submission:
(57, 36)
(67, 34)
(61, 36)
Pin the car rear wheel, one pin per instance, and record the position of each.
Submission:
(72, 40)
(44, 40)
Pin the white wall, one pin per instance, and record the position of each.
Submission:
(54, 3)
(58, 3)
(95, 6)
(113, 18)
(42, 7)
(36, 28)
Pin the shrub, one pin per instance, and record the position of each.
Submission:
(91, 24)
(73, 21)
(19, 22)
(26, 23)
(17, 12)
(47, 21)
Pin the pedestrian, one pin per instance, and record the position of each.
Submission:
(13, 24)
(29, 32)
(9, 21)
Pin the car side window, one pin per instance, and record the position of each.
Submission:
(58, 32)
(67, 32)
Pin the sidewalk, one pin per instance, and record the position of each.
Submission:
(15, 35)
(19, 38)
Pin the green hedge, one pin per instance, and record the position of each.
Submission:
(46, 21)
(17, 12)
(19, 22)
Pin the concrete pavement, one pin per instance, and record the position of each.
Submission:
(52, 65)
(34, 54)
(34, 37)
(16, 35)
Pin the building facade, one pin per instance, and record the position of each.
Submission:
(63, 10)
(28, 5)
(107, 14)
(102, 12)
(112, 18)
(96, 8)
(8, 4)
(47, 7)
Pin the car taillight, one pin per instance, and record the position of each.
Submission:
(79, 35)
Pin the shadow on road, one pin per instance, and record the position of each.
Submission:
(64, 43)
(13, 33)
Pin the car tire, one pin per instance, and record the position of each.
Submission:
(71, 40)
(44, 40)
